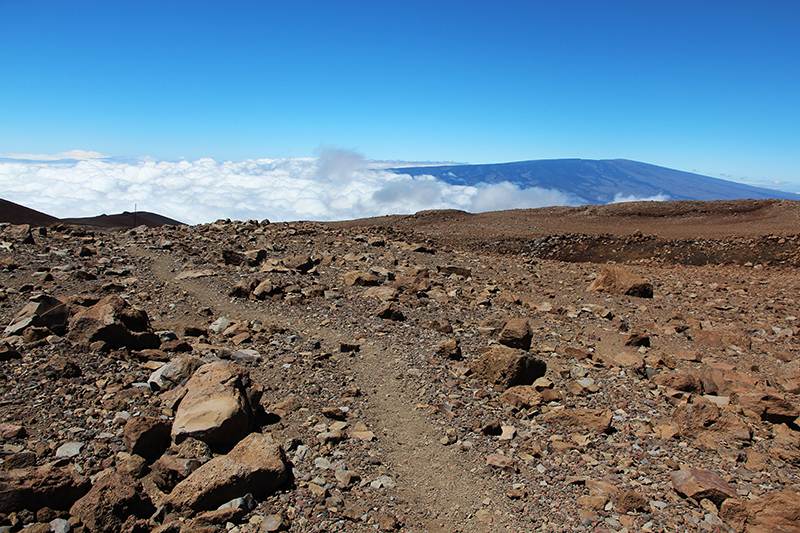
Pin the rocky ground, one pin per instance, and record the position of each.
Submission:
(440, 372)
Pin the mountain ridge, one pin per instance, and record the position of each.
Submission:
(13, 213)
(599, 181)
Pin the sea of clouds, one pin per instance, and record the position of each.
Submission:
(337, 185)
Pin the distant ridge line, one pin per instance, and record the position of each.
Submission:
(599, 181)
(17, 214)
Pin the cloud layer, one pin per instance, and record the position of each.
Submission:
(337, 185)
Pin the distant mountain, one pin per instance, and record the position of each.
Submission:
(124, 220)
(18, 214)
(599, 181)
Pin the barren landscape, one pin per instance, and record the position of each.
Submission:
(630, 367)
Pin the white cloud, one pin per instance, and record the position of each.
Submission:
(78, 155)
(337, 185)
(619, 198)
(507, 195)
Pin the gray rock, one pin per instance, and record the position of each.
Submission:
(220, 324)
(69, 450)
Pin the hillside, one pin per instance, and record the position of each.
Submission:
(599, 181)
(16, 214)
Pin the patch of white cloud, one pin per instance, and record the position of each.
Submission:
(506, 195)
(77, 155)
(619, 198)
(336, 185)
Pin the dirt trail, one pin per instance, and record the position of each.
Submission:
(436, 480)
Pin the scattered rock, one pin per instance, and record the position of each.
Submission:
(702, 484)
(595, 420)
(516, 334)
(449, 349)
(506, 367)
(616, 280)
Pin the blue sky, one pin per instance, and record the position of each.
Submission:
(706, 86)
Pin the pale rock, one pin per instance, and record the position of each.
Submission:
(216, 408)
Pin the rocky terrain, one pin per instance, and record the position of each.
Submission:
(618, 368)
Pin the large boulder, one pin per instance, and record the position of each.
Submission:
(18, 233)
(358, 278)
(8, 352)
(702, 416)
(114, 322)
(413, 280)
(679, 381)
(777, 512)
(617, 280)
(256, 465)
(113, 502)
(506, 367)
(216, 408)
(45, 486)
(773, 408)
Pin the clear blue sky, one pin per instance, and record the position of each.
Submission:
(710, 86)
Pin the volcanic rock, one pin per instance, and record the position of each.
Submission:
(506, 367)
(255, 465)
(216, 408)
(8, 352)
(147, 437)
(413, 280)
(113, 501)
(389, 311)
(41, 311)
(777, 512)
(358, 278)
(701, 484)
(449, 349)
(595, 420)
(770, 407)
(703, 415)
(45, 486)
(175, 373)
(243, 288)
(114, 322)
(516, 334)
(616, 280)
(678, 381)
